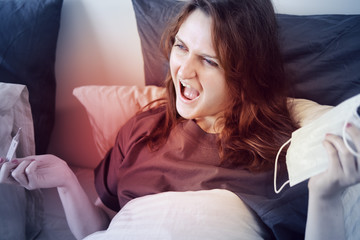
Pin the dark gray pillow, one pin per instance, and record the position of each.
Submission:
(322, 56)
(152, 18)
(28, 37)
(321, 53)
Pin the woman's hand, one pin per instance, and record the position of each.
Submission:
(325, 218)
(48, 171)
(344, 167)
(44, 171)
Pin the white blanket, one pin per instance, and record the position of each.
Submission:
(208, 214)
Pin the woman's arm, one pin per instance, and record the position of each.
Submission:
(325, 213)
(325, 218)
(47, 171)
(83, 216)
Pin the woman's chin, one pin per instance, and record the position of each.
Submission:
(184, 111)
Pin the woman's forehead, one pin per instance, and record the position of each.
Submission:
(196, 32)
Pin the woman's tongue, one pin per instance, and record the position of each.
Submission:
(190, 93)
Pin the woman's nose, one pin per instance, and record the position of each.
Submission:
(187, 69)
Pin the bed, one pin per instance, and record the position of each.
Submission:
(322, 58)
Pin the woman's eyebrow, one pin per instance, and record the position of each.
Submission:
(177, 38)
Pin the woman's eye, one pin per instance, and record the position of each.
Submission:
(211, 63)
(179, 46)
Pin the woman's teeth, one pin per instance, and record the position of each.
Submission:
(185, 85)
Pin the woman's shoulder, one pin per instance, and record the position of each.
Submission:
(141, 124)
(149, 117)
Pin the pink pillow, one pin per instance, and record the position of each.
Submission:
(109, 107)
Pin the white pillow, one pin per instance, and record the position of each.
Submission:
(193, 215)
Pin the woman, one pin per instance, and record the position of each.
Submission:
(224, 119)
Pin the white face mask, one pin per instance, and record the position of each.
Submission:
(306, 155)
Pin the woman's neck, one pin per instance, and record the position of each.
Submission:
(209, 126)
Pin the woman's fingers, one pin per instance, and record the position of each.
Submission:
(6, 169)
(344, 155)
(32, 174)
(20, 174)
(347, 167)
(332, 154)
(15, 171)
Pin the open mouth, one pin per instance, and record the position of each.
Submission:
(188, 92)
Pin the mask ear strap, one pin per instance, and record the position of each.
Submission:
(276, 165)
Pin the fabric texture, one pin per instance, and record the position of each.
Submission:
(321, 52)
(189, 161)
(20, 209)
(192, 215)
(28, 37)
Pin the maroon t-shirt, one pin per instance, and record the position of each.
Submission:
(188, 161)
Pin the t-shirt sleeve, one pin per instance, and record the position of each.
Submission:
(106, 173)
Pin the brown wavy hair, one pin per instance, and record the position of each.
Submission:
(258, 121)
